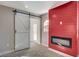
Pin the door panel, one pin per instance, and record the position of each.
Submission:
(21, 22)
(22, 31)
(21, 41)
(35, 29)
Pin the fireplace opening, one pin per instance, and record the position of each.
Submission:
(61, 41)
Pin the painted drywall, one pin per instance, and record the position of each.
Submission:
(6, 30)
(64, 25)
(44, 29)
(78, 27)
(36, 7)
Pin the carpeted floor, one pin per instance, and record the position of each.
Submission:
(35, 51)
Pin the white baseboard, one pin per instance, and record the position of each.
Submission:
(6, 52)
(35, 42)
(61, 53)
(38, 42)
(44, 45)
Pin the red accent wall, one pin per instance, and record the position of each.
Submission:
(78, 27)
(66, 13)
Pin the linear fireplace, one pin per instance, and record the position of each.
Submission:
(61, 41)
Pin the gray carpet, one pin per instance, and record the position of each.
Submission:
(35, 51)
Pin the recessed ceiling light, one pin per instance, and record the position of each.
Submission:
(26, 6)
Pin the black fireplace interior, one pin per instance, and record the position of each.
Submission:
(62, 41)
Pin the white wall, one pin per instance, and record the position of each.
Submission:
(6, 30)
(45, 29)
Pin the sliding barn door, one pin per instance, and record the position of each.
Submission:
(21, 31)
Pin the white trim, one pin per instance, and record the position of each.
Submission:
(6, 52)
(37, 42)
(44, 45)
(61, 53)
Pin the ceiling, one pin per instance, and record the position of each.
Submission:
(36, 7)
